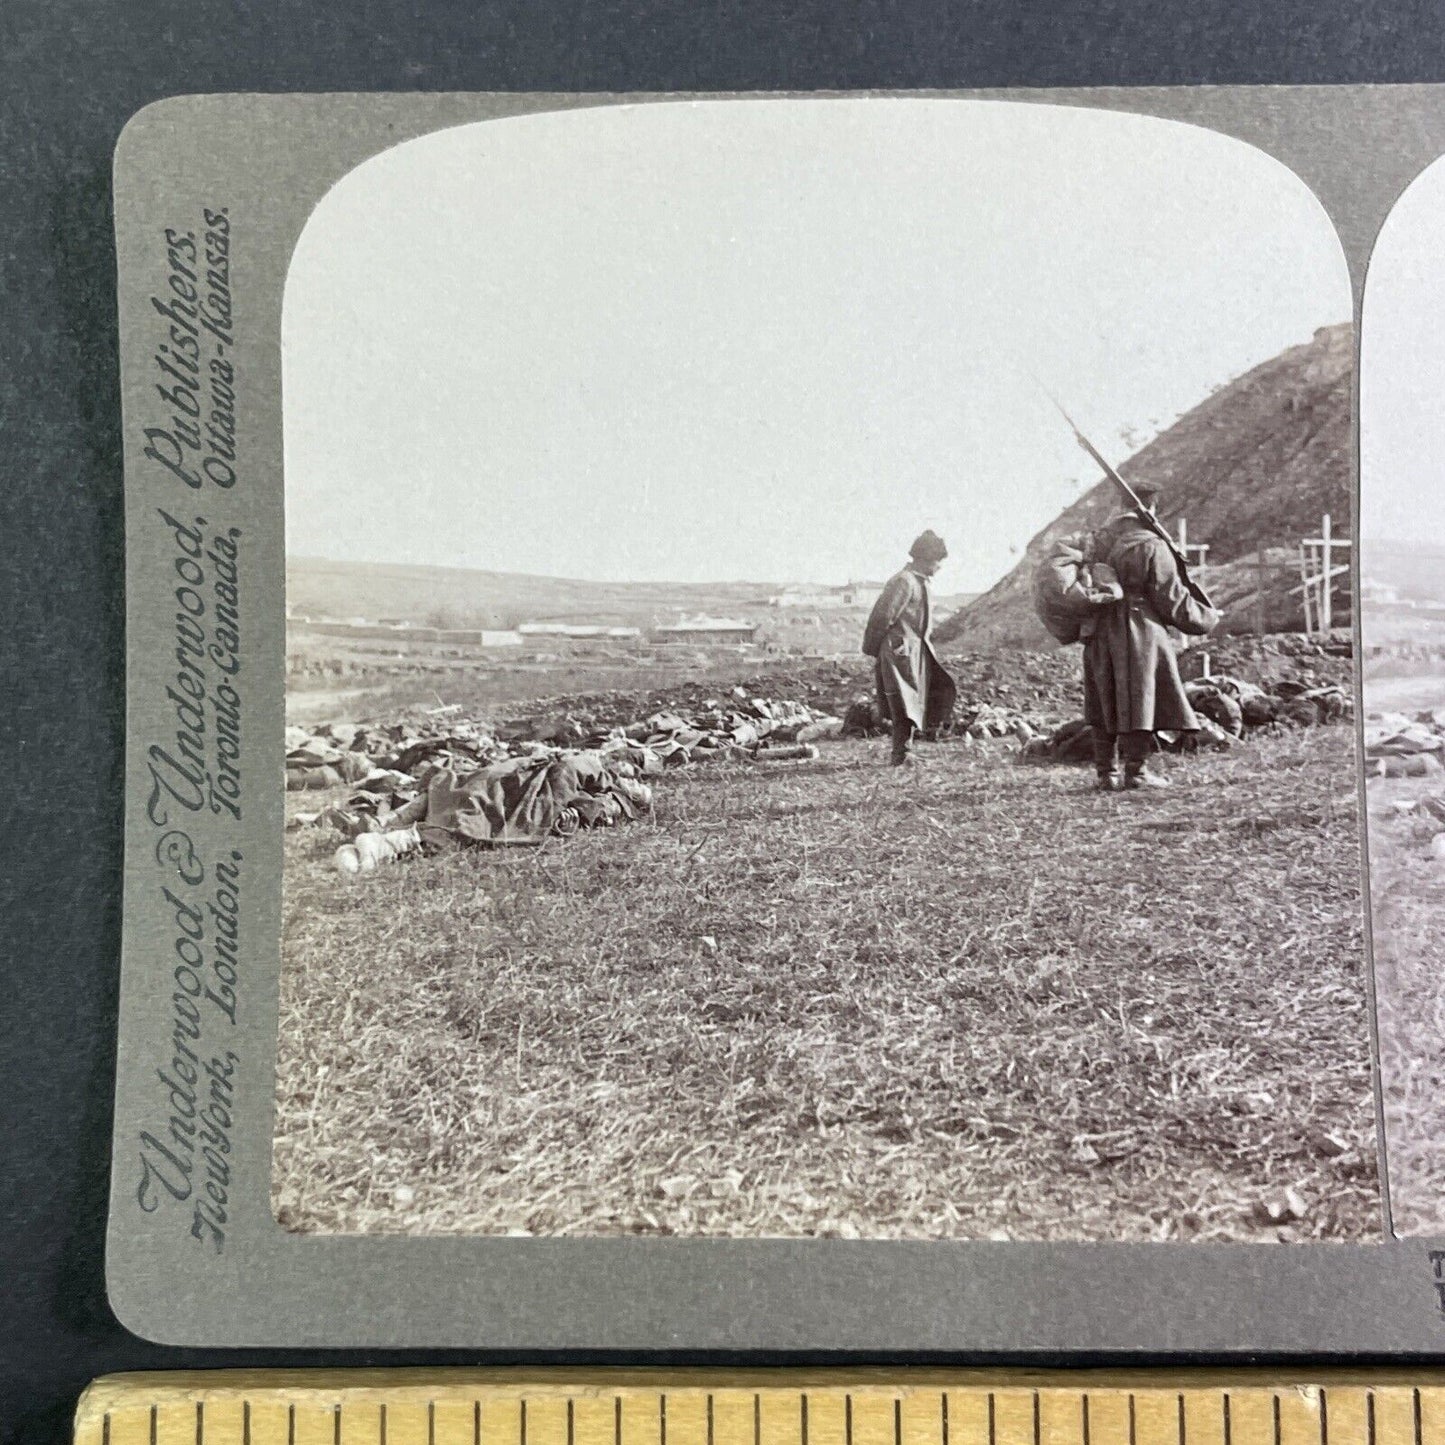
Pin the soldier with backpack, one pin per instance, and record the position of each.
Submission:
(1132, 687)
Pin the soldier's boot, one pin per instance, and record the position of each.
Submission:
(1140, 779)
(902, 736)
(1106, 761)
(1136, 747)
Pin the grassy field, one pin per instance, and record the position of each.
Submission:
(979, 1000)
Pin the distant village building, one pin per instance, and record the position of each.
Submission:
(1379, 592)
(850, 594)
(706, 630)
(481, 637)
(395, 631)
(580, 631)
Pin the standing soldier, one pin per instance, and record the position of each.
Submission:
(1132, 687)
(915, 692)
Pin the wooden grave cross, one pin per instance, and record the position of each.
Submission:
(1318, 571)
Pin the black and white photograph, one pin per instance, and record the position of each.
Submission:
(1402, 606)
(820, 694)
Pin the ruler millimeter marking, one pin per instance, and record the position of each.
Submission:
(874, 1407)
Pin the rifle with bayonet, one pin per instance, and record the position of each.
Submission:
(1148, 517)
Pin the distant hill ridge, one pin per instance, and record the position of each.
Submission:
(1415, 569)
(460, 596)
(1255, 465)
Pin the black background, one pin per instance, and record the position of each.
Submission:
(71, 74)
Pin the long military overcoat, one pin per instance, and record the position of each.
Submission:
(1131, 674)
(908, 672)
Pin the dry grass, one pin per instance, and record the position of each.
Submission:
(977, 1000)
(1407, 889)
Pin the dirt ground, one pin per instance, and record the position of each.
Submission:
(976, 1001)
(1404, 673)
(1407, 889)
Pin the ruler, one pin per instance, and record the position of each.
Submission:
(728, 1407)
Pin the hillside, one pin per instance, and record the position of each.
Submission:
(1254, 466)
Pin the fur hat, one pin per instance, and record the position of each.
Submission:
(928, 547)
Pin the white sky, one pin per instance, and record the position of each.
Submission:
(769, 340)
(1402, 371)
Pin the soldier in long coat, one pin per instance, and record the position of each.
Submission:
(1132, 687)
(915, 692)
